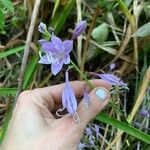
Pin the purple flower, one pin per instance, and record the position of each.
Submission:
(42, 27)
(68, 97)
(86, 98)
(144, 112)
(88, 131)
(111, 79)
(57, 53)
(79, 29)
(97, 130)
(81, 146)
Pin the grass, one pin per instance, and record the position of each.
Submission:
(123, 45)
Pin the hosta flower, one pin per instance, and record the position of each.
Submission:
(79, 29)
(69, 100)
(56, 53)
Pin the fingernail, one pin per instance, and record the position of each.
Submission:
(102, 94)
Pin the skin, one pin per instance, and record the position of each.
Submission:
(34, 125)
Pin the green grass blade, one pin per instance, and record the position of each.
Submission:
(59, 19)
(124, 127)
(55, 7)
(8, 91)
(11, 51)
(30, 71)
(5, 125)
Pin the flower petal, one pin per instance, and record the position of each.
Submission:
(66, 59)
(79, 29)
(68, 45)
(44, 60)
(111, 79)
(56, 67)
(48, 47)
(57, 43)
(71, 102)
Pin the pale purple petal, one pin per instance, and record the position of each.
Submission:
(81, 146)
(48, 47)
(66, 59)
(68, 45)
(111, 79)
(88, 131)
(97, 130)
(72, 102)
(69, 95)
(56, 67)
(86, 97)
(79, 29)
(44, 60)
(57, 43)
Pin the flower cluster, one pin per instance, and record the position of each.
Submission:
(57, 52)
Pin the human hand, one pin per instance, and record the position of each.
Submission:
(33, 125)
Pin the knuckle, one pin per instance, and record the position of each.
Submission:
(23, 97)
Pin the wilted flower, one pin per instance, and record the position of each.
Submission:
(42, 27)
(111, 79)
(69, 100)
(57, 53)
(79, 29)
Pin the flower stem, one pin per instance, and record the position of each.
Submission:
(82, 74)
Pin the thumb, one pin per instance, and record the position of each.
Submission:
(99, 98)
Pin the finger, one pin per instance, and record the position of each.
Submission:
(99, 98)
(56, 91)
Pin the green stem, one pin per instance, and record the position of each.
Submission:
(83, 76)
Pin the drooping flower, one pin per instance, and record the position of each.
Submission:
(57, 53)
(111, 79)
(79, 29)
(69, 100)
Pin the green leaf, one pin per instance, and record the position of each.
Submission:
(8, 4)
(100, 33)
(59, 19)
(124, 127)
(11, 51)
(143, 30)
(30, 71)
(2, 19)
(6, 122)
(7, 91)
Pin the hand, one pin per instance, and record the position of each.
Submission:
(33, 125)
